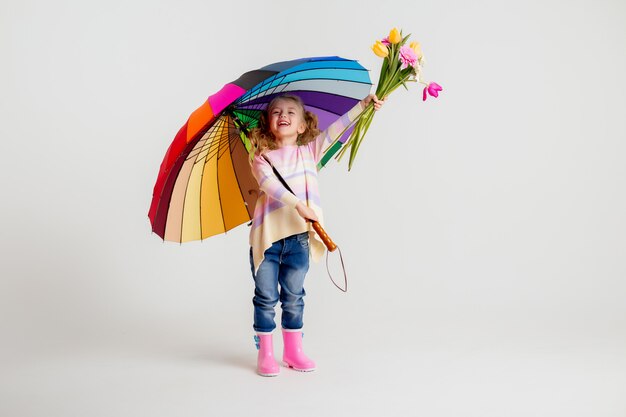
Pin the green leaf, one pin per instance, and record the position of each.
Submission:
(383, 74)
(358, 139)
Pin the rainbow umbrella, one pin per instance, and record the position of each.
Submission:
(205, 186)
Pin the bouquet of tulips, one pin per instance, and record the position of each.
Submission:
(402, 63)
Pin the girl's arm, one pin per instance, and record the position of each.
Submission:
(269, 184)
(332, 132)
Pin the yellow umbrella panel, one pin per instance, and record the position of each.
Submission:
(215, 190)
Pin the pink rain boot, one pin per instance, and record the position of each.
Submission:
(293, 355)
(266, 364)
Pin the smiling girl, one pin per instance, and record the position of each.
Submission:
(281, 236)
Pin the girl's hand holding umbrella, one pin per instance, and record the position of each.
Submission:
(306, 212)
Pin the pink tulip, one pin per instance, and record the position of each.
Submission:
(407, 56)
(433, 89)
(385, 41)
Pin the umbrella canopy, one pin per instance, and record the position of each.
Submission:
(205, 185)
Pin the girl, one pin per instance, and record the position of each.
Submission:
(281, 237)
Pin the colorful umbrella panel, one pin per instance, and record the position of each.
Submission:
(205, 186)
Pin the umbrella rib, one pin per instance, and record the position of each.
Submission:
(182, 217)
(218, 123)
(283, 76)
(260, 92)
(217, 179)
(327, 93)
(206, 159)
(273, 90)
(210, 139)
(200, 200)
(259, 88)
(210, 149)
(211, 133)
(237, 178)
(267, 92)
(204, 138)
(214, 150)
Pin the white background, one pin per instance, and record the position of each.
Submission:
(484, 231)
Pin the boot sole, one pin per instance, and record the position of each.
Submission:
(296, 369)
(270, 375)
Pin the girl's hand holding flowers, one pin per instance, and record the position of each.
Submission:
(377, 102)
(401, 64)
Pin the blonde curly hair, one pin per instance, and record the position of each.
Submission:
(263, 139)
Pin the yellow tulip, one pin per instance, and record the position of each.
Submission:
(394, 36)
(415, 46)
(380, 49)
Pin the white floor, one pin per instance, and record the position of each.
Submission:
(442, 370)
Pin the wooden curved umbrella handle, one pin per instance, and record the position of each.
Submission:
(324, 236)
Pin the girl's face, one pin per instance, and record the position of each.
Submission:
(286, 120)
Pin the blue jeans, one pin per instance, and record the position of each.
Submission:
(286, 263)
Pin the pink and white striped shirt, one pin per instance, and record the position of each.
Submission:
(275, 216)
